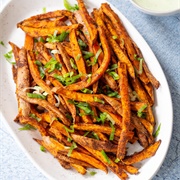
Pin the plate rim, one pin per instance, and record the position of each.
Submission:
(17, 140)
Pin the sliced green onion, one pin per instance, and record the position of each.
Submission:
(95, 135)
(44, 10)
(40, 67)
(112, 68)
(140, 111)
(87, 91)
(113, 94)
(111, 137)
(60, 38)
(2, 43)
(71, 130)
(117, 160)
(73, 65)
(85, 107)
(78, 57)
(97, 55)
(114, 37)
(140, 66)
(35, 117)
(114, 75)
(82, 44)
(63, 36)
(86, 133)
(69, 116)
(99, 100)
(105, 157)
(89, 78)
(157, 131)
(27, 127)
(102, 118)
(42, 148)
(9, 56)
(92, 173)
(52, 65)
(73, 146)
(69, 7)
(38, 96)
(87, 54)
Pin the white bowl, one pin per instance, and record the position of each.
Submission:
(158, 7)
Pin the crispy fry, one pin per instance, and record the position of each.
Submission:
(88, 21)
(121, 31)
(126, 114)
(44, 104)
(29, 43)
(95, 144)
(76, 95)
(96, 128)
(144, 154)
(37, 32)
(23, 82)
(97, 75)
(80, 169)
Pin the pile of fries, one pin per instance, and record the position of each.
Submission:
(84, 85)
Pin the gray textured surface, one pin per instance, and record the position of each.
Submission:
(163, 36)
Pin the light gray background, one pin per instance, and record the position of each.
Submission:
(163, 36)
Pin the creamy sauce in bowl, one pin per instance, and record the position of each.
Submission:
(159, 6)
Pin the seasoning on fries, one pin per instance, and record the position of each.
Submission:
(83, 83)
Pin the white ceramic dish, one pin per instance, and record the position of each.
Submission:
(18, 10)
(158, 7)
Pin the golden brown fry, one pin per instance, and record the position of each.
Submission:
(119, 53)
(53, 14)
(43, 23)
(45, 104)
(126, 114)
(144, 154)
(92, 33)
(34, 123)
(77, 54)
(96, 128)
(37, 32)
(66, 58)
(23, 82)
(95, 144)
(121, 31)
(29, 43)
(80, 169)
(72, 160)
(76, 95)
(98, 74)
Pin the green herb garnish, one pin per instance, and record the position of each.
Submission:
(27, 127)
(117, 160)
(38, 96)
(105, 157)
(73, 146)
(157, 131)
(2, 43)
(87, 91)
(9, 56)
(42, 148)
(57, 38)
(44, 10)
(82, 44)
(52, 65)
(69, 7)
(95, 135)
(140, 111)
(87, 54)
(78, 57)
(111, 137)
(99, 100)
(114, 37)
(35, 117)
(73, 65)
(114, 75)
(68, 78)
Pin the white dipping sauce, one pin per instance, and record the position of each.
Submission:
(159, 5)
